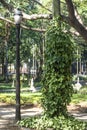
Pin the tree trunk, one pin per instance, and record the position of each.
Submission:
(3, 67)
(56, 8)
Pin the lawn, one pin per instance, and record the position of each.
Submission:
(35, 98)
(27, 97)
(80, 96)
(5, 85)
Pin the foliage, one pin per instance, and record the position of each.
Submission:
(81, 7)
(46, 6)
(80, 96)
(5, 86)
(56, 123)
(57, 88)
(26, 98)
(26, 36)
(83, 90)
(81, 77)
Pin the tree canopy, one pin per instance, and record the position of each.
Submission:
(72, 12)
(36, 17)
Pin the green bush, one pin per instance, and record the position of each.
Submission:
(7, 98)
(56, 123)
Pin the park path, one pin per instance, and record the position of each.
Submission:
(7, 116)
(79, 111)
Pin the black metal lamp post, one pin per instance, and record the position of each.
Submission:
(18, 18)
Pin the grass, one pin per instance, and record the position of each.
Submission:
(26, 98)
(33, 98)
(11, 86)
(5, 85)
(77, 98)
(80, 96)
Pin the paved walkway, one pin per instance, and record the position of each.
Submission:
(7, 116)
(80, 116)
(79, 111)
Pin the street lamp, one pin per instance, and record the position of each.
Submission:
(18, 18)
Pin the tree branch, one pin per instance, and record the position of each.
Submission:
(23, 26)
(72, 19)
(10, 7)
(74, 22)
(78, 16)
(42, 5)
(37, 16)
(26, 16)
(70, 8)
(79, 27)
(76, 25)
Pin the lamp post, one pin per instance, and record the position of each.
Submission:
(18, 18)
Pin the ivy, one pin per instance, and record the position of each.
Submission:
(56, 123)
(57, 89)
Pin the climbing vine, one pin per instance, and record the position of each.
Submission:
(57, 89)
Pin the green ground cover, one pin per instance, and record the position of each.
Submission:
(26, 98)
(56, 123)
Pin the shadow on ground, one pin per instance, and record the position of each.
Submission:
(7, 115)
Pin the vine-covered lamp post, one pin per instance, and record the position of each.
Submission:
(18, 18)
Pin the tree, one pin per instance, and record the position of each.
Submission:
(73, 21)
(57, 78)
(71, 18)
(30, 31)
(57, 88)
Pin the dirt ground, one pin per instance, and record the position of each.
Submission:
(7, 114)
(78, 108)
